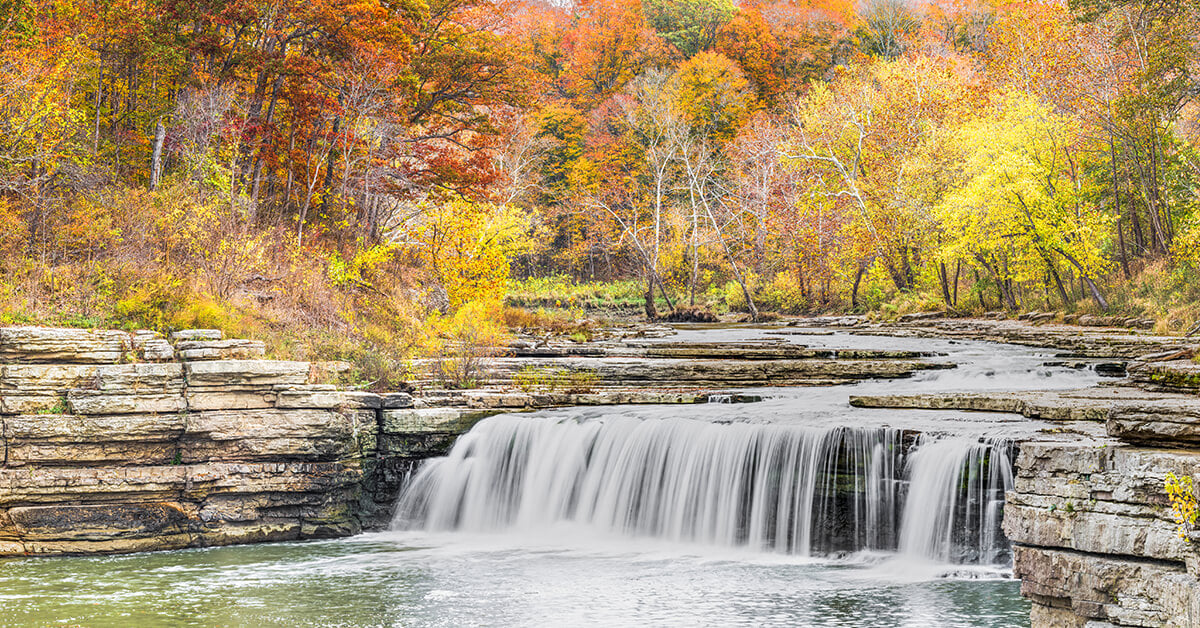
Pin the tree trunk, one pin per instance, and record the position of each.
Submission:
(160, 135)
(854, 291)
(957, 270)
(1116, 192)
(1096, 295)
(944, 280)
(651, 308)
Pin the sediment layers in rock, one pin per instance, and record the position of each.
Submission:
(102, 456)
(1095, 540)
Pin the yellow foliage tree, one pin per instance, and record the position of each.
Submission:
(1021, 206)
(466, 246)
(714, 95)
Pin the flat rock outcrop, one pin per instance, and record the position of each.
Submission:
(1173, 375)
(104, 451)
(723, 373)
(1069, 340)
(1100, 404)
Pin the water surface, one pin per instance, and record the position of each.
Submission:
(571, 575)
(411, 579)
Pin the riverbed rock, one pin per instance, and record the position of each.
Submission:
(49, 344)
(1067, 340)
(768, 350)
(658, 373)
(1170, 421)
(1088, 404)
(1173, 375)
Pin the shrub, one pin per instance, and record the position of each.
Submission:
(458, 345)
(1183, 503)
(555, 379)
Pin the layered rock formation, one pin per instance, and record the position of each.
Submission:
(1094, 534)
(1073, 340)
(108, 444)
(113, 441)
(639, 365)
(1095, 542)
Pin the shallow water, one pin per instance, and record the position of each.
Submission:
(409, 579)
(569, 575)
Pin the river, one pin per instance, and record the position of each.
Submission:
(711, 515)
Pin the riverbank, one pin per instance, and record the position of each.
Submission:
(118, 442)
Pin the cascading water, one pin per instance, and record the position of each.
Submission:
(783, 488)
(955, 501)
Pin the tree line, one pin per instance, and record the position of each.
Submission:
(798, 155)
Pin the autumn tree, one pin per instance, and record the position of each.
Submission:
(854, 140)
(888, 26)
(689, 26)
(1022, 209)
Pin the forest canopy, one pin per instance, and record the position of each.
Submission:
(351, 175)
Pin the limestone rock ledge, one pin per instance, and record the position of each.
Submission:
(1094, 541)
(108, 445)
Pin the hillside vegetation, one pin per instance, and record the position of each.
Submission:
(368, 179)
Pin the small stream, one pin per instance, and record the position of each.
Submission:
(798, 510)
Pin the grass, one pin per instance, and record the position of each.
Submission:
(533, 379)
(1171, 296)
(564, 292)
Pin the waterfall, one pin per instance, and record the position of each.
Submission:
(782, 488)
(955, 501)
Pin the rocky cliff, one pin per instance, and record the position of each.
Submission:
(1095, 540)
(117, 442)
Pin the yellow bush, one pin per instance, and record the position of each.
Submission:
(1183, 503)
(467, 247)
(459, 344)
(150, 304)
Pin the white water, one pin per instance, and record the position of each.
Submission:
(806, 491)
(801, 473)
(955, 500)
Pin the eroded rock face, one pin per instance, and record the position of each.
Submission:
(1075, 589)
(1071, 340)
(1176, 375)
(1095, 541)
(100, 456)
(80, 346)
(656, 373)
